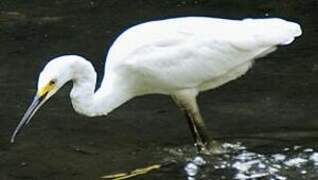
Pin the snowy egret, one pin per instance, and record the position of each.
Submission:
(179, 57)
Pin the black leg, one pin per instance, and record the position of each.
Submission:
(196, 124)
(200, 127)
(200, 135)
(194, 131)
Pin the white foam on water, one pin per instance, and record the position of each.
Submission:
(279, 157)
(293, 162)
(297, 162)
(308, 150)
(191, 169)
(314, 157)
(251, 165)
(198, 160)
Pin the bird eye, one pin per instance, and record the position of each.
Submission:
(52, 82)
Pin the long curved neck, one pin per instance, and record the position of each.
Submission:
(88, 102)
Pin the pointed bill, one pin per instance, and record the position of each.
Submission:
(38, 101)
(36, 104)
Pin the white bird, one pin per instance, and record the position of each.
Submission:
(179, 57)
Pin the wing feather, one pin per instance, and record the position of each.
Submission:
(185, 52)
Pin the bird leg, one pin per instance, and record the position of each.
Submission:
(198, 129)
(189, 106)
(199, 126)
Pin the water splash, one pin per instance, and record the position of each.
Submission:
(295, 162)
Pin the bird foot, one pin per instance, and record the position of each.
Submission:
(211, 148)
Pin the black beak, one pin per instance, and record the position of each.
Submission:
(36, 104)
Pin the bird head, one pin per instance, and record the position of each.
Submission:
(54, 75)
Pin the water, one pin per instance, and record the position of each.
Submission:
(289, 163)
(272, 110)
(239, 162)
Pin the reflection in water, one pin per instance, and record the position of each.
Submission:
(239, 163)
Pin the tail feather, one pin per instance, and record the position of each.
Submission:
(274, 31)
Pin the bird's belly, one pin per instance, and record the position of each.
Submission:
(230, 75)
(156, 85)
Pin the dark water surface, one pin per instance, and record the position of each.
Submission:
(272, 110)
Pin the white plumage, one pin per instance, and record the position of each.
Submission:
(194, 52)
(178, 57)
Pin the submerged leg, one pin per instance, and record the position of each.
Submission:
(186, 100)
